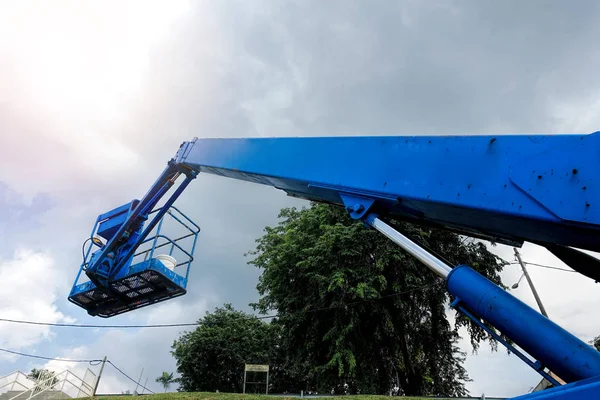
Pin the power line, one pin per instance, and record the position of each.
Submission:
(65, 325)
(544, 266)
(550, 267)
(50, 358)
(91, 362)
(128, 377)
(16, 321)
(98, 361)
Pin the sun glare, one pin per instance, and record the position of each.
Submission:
(84, 59)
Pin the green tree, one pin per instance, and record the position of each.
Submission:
(359, 314)
(166, 379)
(596, 343)
(43, 378)
(212, 356)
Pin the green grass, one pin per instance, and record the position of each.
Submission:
(238, 396)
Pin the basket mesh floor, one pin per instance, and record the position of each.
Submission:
(134, 291)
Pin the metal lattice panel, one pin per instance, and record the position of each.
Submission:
(131, 292)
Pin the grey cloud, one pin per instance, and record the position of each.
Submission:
(453, 69)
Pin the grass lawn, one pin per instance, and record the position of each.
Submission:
(238, 396)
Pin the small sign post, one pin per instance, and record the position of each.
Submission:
(256, 368)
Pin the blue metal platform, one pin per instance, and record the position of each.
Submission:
(143, 279)
(145, 283)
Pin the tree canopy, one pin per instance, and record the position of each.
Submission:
(166, 379)
(212, 356)
(357, 313)
(44, 378)
(596, 342)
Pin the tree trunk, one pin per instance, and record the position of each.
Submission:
(412, 385)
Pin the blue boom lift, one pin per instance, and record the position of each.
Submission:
(510, 189)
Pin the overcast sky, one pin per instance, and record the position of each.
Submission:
(96, 97)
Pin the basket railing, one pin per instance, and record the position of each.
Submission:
(158, 240)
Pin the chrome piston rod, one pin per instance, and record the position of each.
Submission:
(432, 262)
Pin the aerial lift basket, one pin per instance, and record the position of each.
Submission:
(156, 272)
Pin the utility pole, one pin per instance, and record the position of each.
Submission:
(543, 383)
(535, 294)
(99, 375)
(244, 387)
(145, 384)
(138, 382)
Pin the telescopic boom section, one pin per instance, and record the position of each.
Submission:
(509, 189)
(539, 189)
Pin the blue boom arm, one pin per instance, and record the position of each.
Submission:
(509, 189)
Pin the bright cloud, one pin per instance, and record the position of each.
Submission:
(71, 75)
(29, 282)
(85, 59)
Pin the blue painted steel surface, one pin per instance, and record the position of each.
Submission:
(357, 206)
(148, 282)
(113, 259)
(479, 185)
(588, 389)
(563, 353)
(143, 283)
(535, 365)
(110, 222)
